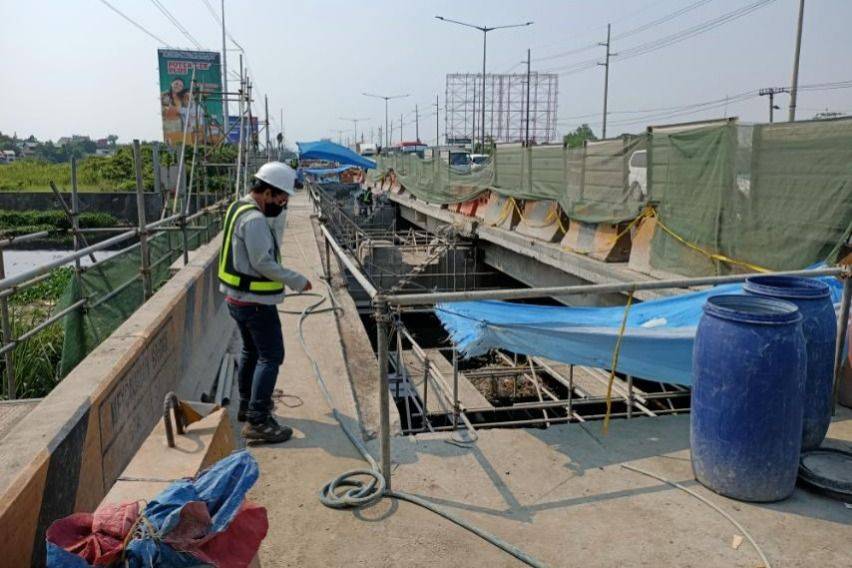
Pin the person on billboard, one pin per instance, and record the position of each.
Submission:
(253, 281)
(174, 104)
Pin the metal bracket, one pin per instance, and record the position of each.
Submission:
(171, 402)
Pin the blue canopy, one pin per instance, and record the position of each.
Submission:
(657, 343)
(325, 150)
(326, 171)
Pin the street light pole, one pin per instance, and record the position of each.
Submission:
(484, 30)
(355, 124)
(386, 99)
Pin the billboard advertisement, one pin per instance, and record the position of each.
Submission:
(234, 130)
(197, 108)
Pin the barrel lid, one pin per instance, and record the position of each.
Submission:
(829, 471)
(793, 287)
(752, 309)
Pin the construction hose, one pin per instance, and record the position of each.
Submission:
(359, 488)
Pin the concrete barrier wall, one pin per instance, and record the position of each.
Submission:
(67, 453)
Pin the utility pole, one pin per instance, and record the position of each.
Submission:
(606, 76)
(388, 133)
(794, 88)
(772, 91)
(437, 122)
(268, 146)
(227, 126)
(380, 136)
(417, 123)
(400, 131)
(354, 122)
(527, 136)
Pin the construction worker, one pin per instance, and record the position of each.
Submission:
(253, 280)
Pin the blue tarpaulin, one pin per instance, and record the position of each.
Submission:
(326, 171)
(657, 343)
(326, 150)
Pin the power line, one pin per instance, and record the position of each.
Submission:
(630, 32)
(699, 29)
(218, 20)
(663, 113)
(134, 23)
(659, 21)
(670, 39)
(176, 23)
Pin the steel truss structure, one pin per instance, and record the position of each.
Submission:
(505, 107)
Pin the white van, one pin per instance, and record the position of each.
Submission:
(637, 177)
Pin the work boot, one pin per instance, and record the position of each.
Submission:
(267, 432)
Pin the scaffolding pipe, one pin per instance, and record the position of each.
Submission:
(381, 316)
(620, 287)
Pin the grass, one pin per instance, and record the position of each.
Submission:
(42, 353)
(22, 222)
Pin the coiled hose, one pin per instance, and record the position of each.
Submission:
(358, 488)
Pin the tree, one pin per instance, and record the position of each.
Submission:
(112, 139)
(576, 138)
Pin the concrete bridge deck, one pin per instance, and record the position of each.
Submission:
(558, 493)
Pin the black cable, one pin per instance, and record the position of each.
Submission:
(176, 23)
(134, 22)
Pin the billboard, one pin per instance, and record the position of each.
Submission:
(202, 114)
(234, 130)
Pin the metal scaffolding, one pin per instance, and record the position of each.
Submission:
(505, 104)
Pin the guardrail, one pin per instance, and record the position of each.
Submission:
(194, 230)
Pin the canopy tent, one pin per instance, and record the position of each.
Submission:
(325, 150)
(326, 171)
(657, 342)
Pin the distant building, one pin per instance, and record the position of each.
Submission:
(7, 156)
(104, 151)
(73, 138)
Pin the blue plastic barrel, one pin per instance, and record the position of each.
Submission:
(746, 419)
(819, 324)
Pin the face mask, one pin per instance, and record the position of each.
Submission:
(273, 210)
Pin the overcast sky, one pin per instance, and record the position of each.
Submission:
(75, 66)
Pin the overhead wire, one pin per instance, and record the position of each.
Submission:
(136, 24)
(666, 41)
(630, 32)
(163, 10)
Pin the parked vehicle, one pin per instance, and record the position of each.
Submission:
(637, 177)
(367, 149)
(479, 161)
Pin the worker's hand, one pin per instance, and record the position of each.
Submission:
(308, 287)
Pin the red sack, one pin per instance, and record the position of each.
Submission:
(96, 537)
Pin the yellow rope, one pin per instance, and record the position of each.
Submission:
(614, 364)
(709, 254)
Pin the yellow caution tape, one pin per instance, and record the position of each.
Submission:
(615, 353)
(709, 254)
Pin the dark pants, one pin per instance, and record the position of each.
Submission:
(262, 354)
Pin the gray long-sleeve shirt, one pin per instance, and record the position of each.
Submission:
(253, 247)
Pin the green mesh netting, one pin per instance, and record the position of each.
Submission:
(113, 288)
(772, 196)
(590, 184)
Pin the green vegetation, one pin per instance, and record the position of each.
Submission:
(576, 138)
(47, 291)
(22, 222)
(103, 173)
(42, 353)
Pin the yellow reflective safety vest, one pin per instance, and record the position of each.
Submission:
(228, 275)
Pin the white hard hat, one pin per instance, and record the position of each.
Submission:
(278, 175)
